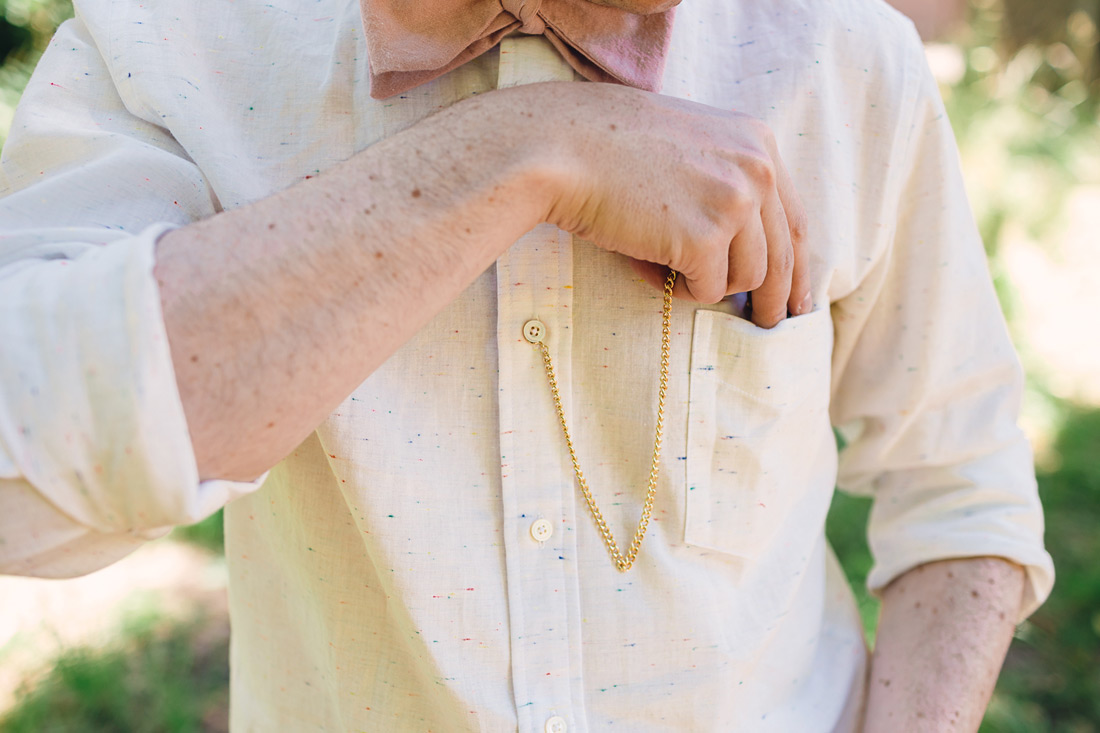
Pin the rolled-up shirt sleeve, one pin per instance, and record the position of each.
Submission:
(926, 384)
(95, 455)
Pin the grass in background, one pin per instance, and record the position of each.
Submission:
(156, 678)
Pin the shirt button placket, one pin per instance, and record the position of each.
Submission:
(534, 279)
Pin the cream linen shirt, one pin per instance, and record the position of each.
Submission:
(423, 562)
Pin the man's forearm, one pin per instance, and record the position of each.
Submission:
(276, 311)
(943, 633)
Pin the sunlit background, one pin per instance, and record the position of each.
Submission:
(143, 645)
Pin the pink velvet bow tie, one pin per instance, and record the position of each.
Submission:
(411, 42)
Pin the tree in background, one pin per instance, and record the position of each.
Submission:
(1066, 31)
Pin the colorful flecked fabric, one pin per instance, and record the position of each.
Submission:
(423, 561)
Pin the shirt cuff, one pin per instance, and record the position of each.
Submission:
(94, 424)
(916, 547)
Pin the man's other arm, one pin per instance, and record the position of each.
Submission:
(926, 392)
(943, 634)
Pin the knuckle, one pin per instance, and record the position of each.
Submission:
(707, 290)
(757, 276)
(747, 278)
(782, 260)
(733, 208)
(797, 223)
(711, 287)
(760, 169)
(767, 319)
(718, 294)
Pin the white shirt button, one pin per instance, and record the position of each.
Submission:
(534, 331)
(541, 529)
(556, 724)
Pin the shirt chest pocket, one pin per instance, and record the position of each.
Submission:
(758, 411)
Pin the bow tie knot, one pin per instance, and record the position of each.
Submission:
(527, 11)
(410, 43)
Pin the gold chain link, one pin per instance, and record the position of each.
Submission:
(622, 562)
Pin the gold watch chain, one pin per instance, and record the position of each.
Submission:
(622, 562)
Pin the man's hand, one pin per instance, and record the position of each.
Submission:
(942, 636)
(677, 184)
(277, 310)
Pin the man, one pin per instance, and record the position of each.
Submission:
(221, 251)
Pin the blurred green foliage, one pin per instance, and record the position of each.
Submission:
(1065, 31)
(25, 29)
(1052, 675)
(846, 529)
(208, 534)
(1023, 97)
(156, 678)
(1024, 109)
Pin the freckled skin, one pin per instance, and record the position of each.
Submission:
(935, 671)
(420, 215)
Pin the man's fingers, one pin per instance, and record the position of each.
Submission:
(656, 275)
(651, 272)
(705, 281)
(799, 301)
(748, 258)
(769, 301)
(767, 257)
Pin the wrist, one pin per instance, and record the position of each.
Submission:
(540, 160)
